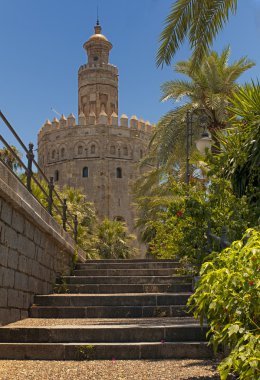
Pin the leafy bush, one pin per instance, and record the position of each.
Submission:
(180, 230)
(228, 296)
(113, 240)
(77, 205)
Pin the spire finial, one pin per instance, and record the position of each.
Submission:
(97, 26)
(97, 16)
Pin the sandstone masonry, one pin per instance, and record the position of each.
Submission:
(34, 249)
(100, 153)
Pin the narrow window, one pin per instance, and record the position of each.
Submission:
(93, 149)
(119, 219)
(85, 172)
(112, 149)
(141, 153)
(125, 150)
(80, 149)
(56, 175)
(62, 152)
(53, 154)
(118, 173)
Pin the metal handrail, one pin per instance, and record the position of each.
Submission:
(222, 240)
(51, 194)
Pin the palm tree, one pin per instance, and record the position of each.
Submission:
(241, 143)
(153, 195)
(197, 20)
(9, 159)
(113, 240)
(209, 88)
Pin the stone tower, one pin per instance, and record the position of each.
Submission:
(98, 80)
(100, 153)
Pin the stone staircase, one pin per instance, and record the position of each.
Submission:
(122, 309)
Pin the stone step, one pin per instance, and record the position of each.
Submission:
(104, 334)
(163, 280)
(122, 288)
(124, 265)
(129, 299)
(98, 351)
(128, 261)
(126, 272)
(108, 311)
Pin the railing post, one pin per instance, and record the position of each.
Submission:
(50, 198)
(30, 157)
(188, 128)
(209, 238)
(64, 214)
(223, 238)
(75, 228)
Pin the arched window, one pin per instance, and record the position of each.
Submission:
(53, 154)
(80, 149)
(118, 173)
(93, 149)
(62, 152)
(85, 172)
(119, 219)
(56, 175)
(112, 149)
(125, 150)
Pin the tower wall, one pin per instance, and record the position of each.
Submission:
(100, 154)
(98, 89)
(102, 149)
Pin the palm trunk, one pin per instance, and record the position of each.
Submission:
(214, 129)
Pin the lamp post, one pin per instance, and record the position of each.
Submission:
(202, 144)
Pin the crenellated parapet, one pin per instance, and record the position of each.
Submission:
(92, 120)
(94, 66)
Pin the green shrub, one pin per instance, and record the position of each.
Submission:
(228, 296)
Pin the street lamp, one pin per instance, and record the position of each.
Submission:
(202, 144)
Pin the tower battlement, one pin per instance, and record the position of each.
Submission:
(103, 120)
(99, 151)
(94, 66)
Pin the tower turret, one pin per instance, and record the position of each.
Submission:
(98, 79)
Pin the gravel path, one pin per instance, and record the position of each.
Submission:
(109, 370)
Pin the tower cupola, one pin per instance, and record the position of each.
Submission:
(98, 79)
(97, 47)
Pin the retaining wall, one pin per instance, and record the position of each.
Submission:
(34, 249)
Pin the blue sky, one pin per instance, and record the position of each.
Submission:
(41, 51)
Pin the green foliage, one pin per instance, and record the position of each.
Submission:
(197, 20)
(9, 159)
(180, 226)
(61, 287)
(85, 211)
(228, 296)
(86, 352)
(240, 154)
(77, 205)
(113, 240)
(210, 87)
(108, 239)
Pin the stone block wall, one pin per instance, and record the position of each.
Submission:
(34, 249)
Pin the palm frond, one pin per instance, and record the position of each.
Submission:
(197, 20)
